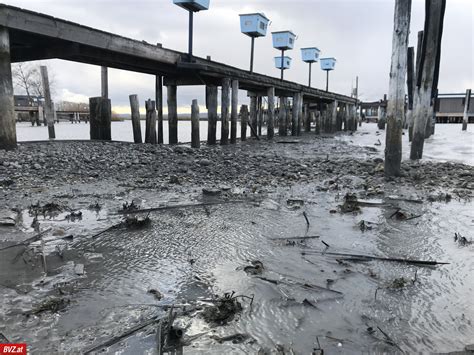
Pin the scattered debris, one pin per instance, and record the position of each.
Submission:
(130, 207)
(209, 191)
(237, 338)
(74, 215)
(365, 226)
(135, 222)
(462, 241)
(440, 197)
(50, 209)
(402, 216)
(255, 269)
(378, 142)
(79, 269)
(8, 218)
(224, 309)
(171, 207)
(52, 305)
(157, 294)
(298, 238)
(350, 204)
(95, 207)
(294, 204)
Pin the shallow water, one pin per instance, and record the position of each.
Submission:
(433, 314)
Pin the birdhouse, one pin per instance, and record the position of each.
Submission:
(328, 63)
(193, 5)
(254, 25)
(284, 62)
(283, 40)
(310, 55)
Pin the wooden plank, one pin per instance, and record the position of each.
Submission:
(195, 138)
(172, 114)
(7, 111)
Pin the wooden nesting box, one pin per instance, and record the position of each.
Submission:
(283, 40)
(310, 54)
(328, 63)
(285, 62)
(193, 5)
(254, 25)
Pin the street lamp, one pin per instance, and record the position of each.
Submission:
(310, 55)
(192, 6)
(327, 64)
(253, 25)
(283, 40)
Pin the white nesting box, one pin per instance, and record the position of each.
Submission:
(283, 40)
(193, 5)
(328, 63)
(285, 62)
(254, 25)
(310, 54)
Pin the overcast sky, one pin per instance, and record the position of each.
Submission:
(357, 32)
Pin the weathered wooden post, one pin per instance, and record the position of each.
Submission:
(259, 114)
(195, 138)
(419, 47)
(427, 75)
(295, 117)
(317, 122)
(100, 117)
(172, 114)
(343, 118)
(410, 87)
(465, 118)
(48, 103)
(271, 113)
(381, 117)
(333, 113)
(282, 128)
(7, 107)
(253, 112)
(225, 104)
(150, 128)
(159, 106)
(396, 91)
(211, 101)
(244, 118)
(104, 81)
(135, 114)
(307, 118)
(234, 111)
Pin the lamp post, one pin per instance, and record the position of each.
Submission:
(283, 40)
(253, 25)
(310, 55)
(192, 6)
(328, 64)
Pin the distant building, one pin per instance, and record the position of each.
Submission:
(25, 101)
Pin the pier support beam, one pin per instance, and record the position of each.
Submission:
(317, 121)
(333, 117)
(307, 118)
(253, 113)
(427, 77)
(7, 107)
(159, 107)
(150, 125)
(195, 138)
(271, 113)
(225, 104)
(465, 118)
(282, 127)
(234, 111)
(295, 114)
(244, 118)
(135, 114)
(172, 114)
(104, 81)
(48, 103)
(211, 103)
(100, 117)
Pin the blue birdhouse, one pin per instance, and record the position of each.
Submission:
(283, 40)
(310, 54)
(254, 25)
(328, 63)
(282, 62)
(193, 5)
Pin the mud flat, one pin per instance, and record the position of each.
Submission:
(260, 247)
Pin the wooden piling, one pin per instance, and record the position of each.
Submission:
(100, 117)
(317, 122)
(7, 107)
(419, 48)
(225, 104)
(333, 116)
(259, 115)
(135, 114)
(467, 101)
(307, 118)
(253, 112)
(410, 88)
(429, 58)
(211, 103)
(195, 138)
(48, 103)
(282, 127)
(104, 80)
(295, 110)
(234, 111)
(271, 113)
(159, 107)
(244, 118)
(172, 114)
(150, 125)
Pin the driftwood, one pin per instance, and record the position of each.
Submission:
(360, 257)
(172, 207)
(254, 132)
(304, 285)
(298, 238)
(27, 241)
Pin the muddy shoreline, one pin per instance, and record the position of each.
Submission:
(190, 254)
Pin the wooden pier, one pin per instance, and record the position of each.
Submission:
(27, 35)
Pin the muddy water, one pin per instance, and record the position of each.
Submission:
(192, 253)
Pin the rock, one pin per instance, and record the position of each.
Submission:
(37, 166)
(174, 179)
(378, 160)
(79, 269)
(8, 218)
(209, 191)
(205, 162)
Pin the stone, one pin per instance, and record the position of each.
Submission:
(8, 218)
(205, 162)
(209, 191)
